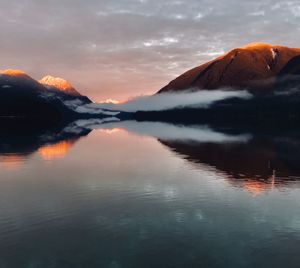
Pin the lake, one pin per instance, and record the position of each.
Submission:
(128, 194)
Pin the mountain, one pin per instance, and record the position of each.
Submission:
(52, 100)
(62, 87)
(17, 78)
(270, 74)
(59, 84)
(253, 67)
(22, 96)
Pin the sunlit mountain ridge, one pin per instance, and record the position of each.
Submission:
(254, 67)
(59, 84)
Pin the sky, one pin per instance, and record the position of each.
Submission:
(119, 49)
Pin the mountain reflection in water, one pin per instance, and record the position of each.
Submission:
(20, 142)
(257, 162)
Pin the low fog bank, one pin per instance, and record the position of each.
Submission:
(89, 108)
(165, 131)
(166, 101)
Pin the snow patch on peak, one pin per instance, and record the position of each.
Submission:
(56, 81)
(274, 53)
(60, 84)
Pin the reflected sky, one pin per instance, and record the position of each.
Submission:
(117, 49)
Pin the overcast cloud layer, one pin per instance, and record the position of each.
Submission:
(121, 48)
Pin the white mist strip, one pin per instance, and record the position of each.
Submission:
(90, 108)
(165, 101)
(175, 132)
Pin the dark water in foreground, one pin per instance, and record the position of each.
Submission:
(150, 195)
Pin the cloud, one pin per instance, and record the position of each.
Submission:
(165, 101)
(162, 42)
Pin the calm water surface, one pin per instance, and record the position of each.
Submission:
(150, 195)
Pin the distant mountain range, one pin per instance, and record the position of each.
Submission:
(50, 100)
(54, 86)
(270, 74)
(256, 67)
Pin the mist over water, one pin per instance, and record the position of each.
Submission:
(199, 133)
(166, 101)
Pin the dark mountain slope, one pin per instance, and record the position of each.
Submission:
(23, 97)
